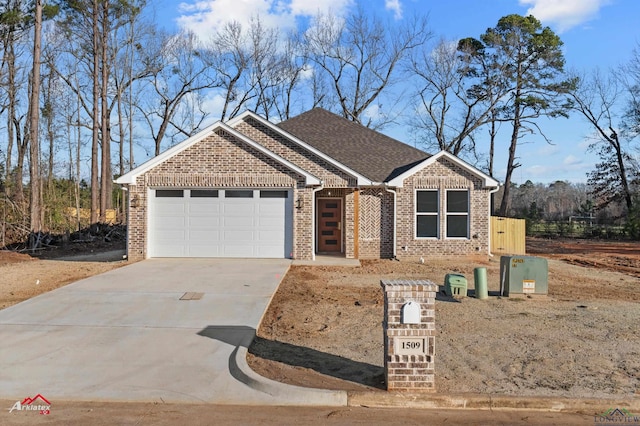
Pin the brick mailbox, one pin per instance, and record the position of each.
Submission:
(409, 334)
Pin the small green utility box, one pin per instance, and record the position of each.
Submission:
(523, 275)
(455, 285)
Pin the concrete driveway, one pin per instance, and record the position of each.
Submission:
(125, 335)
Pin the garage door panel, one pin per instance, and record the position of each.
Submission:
(238, 222)
(204, 222)
(267, 236)
(209, 226)
(203, 250)
(270, 222)
(204, 236)
(234, 236)
(274, 204)
(203, 209)
(170, 222)
(178, 235)
(171, 207)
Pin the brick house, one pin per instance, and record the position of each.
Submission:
(316, 183)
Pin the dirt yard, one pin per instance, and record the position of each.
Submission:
(323, 328)
(23, 276)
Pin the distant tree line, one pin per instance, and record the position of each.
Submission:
(564, 209)
(84, 85)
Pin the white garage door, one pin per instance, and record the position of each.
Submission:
(220, 223)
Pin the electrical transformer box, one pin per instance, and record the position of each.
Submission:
(522, 275)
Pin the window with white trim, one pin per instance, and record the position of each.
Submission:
(427, 218)
(457, 213)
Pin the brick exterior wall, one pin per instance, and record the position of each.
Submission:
(221, 161)
(375, 224)
(413, 369)
(442, 175)
(218, 161)
(317, 166)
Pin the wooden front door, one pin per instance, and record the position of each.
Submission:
(329, 225)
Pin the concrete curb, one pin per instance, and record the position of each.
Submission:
(283, 394)
(488, 402)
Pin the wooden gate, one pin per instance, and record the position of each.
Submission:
(507, 235)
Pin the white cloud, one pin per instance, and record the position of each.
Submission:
(537, 170)
(395, 7)
(548, 150)
(572, 160)
(212, 103)
(373, 113)
(205, 17)
(564, 14)
(585, 144)
(307, 72)
(311, 8)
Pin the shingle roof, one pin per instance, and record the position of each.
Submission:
(372, 154)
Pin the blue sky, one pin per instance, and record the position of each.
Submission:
(596, 33)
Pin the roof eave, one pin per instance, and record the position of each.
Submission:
(130, 177)
(488, 181)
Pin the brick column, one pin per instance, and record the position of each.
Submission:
(409, 334)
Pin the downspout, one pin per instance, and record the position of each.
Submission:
(314, 228)
(126, 237)
(395, 217)
(493, 191)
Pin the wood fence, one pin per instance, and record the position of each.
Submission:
(507, 235)
(85, 214)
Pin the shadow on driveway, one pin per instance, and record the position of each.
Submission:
(296, 356)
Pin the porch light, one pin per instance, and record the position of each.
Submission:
(299, 203)
(135, 201)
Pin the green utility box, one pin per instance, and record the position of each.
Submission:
(523, 275)
(455, 285)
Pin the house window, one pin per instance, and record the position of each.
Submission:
(274, 194)
(169, 193)
(427, 214)
(457, 214)
(238, 193)
(204, 193)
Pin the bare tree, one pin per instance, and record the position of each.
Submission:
(598, 99)
(360, 58)
(92, 28)
(14, 23)
(106, 183)
(134, 63)
(630, 74)
(457, 94)
(95, 109)
(289, 76)
(229, 60)
(179, 74)
(34, 139)
(257, 68)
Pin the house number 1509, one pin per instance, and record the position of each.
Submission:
(409, 346)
